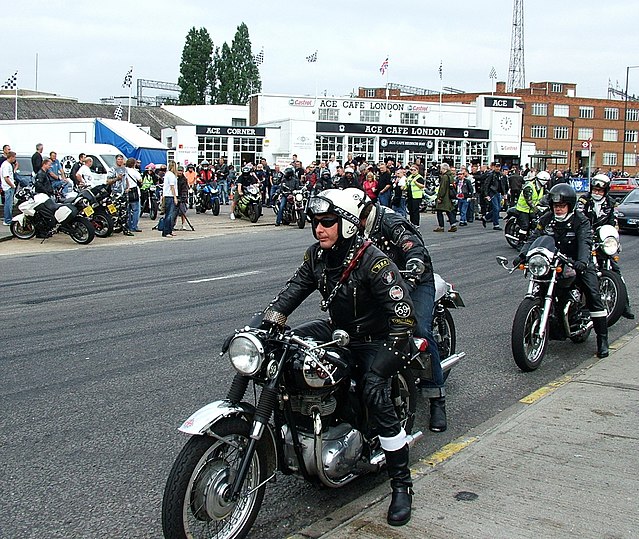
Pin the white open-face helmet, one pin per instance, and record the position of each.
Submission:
(345, 204)
(603, 182)
(543, 177)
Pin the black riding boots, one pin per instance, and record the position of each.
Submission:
(601, 329)
(437, 414)
(401, 484)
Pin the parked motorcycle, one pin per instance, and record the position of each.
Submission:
(149, 202)
(295, 207)
(428, 202)
(208, 198)
(43, 216)
(249, 205)
(553, 309)
(612, 287)
(98, 198)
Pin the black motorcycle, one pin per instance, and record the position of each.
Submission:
(98, 197)
(149, 202)
(512, 230)
(249, 205)
(295, 206)
(554, 307)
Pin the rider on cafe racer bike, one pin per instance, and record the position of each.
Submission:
(599, 208)
(573, 237)
(363, 292)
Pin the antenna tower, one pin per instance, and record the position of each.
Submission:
(516, 71)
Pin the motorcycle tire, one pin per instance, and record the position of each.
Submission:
(199, 209)
(254, 213)
(216, 208)
(153, 210)
(528, 350)
(24, 231)
(199, 477)
(404, 398)
(511, 229)
(445, 335)
(102, 223)
(613, 294)
(81, 231)
(301, 221)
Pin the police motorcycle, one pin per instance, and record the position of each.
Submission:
(295, 207)
(554, 308)
(308, 421)
(44, 217)
(207, 198)
(512, 232)
(605, 250)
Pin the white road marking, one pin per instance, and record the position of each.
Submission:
(233, 275)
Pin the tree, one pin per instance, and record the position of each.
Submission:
(236, 75)
(195, 67)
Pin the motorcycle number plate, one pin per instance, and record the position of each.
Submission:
(88, 211)
(112, 208)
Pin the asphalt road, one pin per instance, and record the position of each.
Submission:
(105, 351)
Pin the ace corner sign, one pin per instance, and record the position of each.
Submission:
(402, 144)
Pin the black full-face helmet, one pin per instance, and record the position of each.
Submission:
(563, 193)
(289, 172)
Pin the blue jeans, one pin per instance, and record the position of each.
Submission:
(401, 209)
(8, 205)
(463, 209)
(423, 297)
(133, 214)
(280, 211)
(170, 211)
(66, 186)
(385, 198)
(273, 194)
(224, 191)
(495, 208)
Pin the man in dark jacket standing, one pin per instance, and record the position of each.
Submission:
(492, 195)
(36, 158)
(444, 201)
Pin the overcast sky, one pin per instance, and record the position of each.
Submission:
(85, 48)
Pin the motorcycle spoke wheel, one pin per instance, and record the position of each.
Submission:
(511, 229)
(195, 504)
(613, 294)
(82, 231)
(527, 346)
(24, 231)
(444, 335)
(404, 398)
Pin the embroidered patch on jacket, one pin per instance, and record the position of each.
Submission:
(396, 293)
(379, 266)
(402, 309)
(388, 277)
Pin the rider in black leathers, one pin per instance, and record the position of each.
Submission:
(397, 237)
(366, 296)
(573, 238)
(323, 182)
(599, 208)
(290, 182)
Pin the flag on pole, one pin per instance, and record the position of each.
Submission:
(384, 67)
(128, 78)
(12, 82)
(493, 73)
(118, 112)
(311, 58)
(258, 59)
(441, 70)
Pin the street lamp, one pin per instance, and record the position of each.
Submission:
(571, 119)
(625, 113)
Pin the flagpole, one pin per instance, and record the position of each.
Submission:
(387, 86)
(441, 89)
(16, 104)
(130, 92)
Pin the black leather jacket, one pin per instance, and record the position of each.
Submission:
(43, 183)
(607, 211)
(398, 238)
(573, 237)
(374, 303)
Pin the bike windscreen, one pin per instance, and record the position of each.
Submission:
(544, 242)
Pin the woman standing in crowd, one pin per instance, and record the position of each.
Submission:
(133, 180)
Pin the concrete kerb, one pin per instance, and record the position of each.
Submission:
(421, 468)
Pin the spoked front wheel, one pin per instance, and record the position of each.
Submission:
(196, 502)
(613, 293)
(527, 345)
(404, 398)
(444, 334)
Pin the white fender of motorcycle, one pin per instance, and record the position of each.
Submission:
(201, 421)
(18, 218)
(440, 287)
(62, 213)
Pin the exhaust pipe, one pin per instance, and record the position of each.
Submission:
(452, 360)
(379, 459)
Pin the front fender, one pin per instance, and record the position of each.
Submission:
(201, 421)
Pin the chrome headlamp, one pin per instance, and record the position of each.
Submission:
(246, 353)
(538, 265)
(299, 197)
(610, 245)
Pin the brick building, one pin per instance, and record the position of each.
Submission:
(560, 124)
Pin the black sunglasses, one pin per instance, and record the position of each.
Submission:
(326, 222)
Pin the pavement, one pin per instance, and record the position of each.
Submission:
(562, 462)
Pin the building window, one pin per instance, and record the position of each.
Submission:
(561, 157)
(539, 109)
(611, 113)
(450, 151)
(409, 118)
(169, 142)
(326, 145)
(609, 158)
(477, 152)
(632, 115)
(561, 132)
(238, 122)
(610, 135)
(369, 92)
(246, 145)
(369, 116)
(557, 88)
(362, 146)
(587, 112)
(584, 133)
(562, 111)
(631, 135)
(211, 148)
(630, 160)
(329, 115)
(538, 131)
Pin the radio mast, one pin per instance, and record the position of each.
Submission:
(516, 71)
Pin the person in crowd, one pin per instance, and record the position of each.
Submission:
(289, 183)
(148, 183)
(445, 199)
(57, 174)
(276, 179)
(332, 165)
(116, 176)
(531, 195)
(414, 192)
(599, 208)
(43, 182)
(384, 185)
(349, 179)
(170, 196)
(262, 181)
(232, 178)
(370, 185)
(573, 237)
(36, 158)
(398, 200)
(183, 196)
(222, 174)
(205, 174)
(557, 178)
(479, 204)
(465, 190)
(492, 190)
(515, 185)
(310, 178)
(84, 176)
(5, 151)
(350, 162)
(323, 182)
(73, 174)
(132, 181)
(8, 186)
(379, 326)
